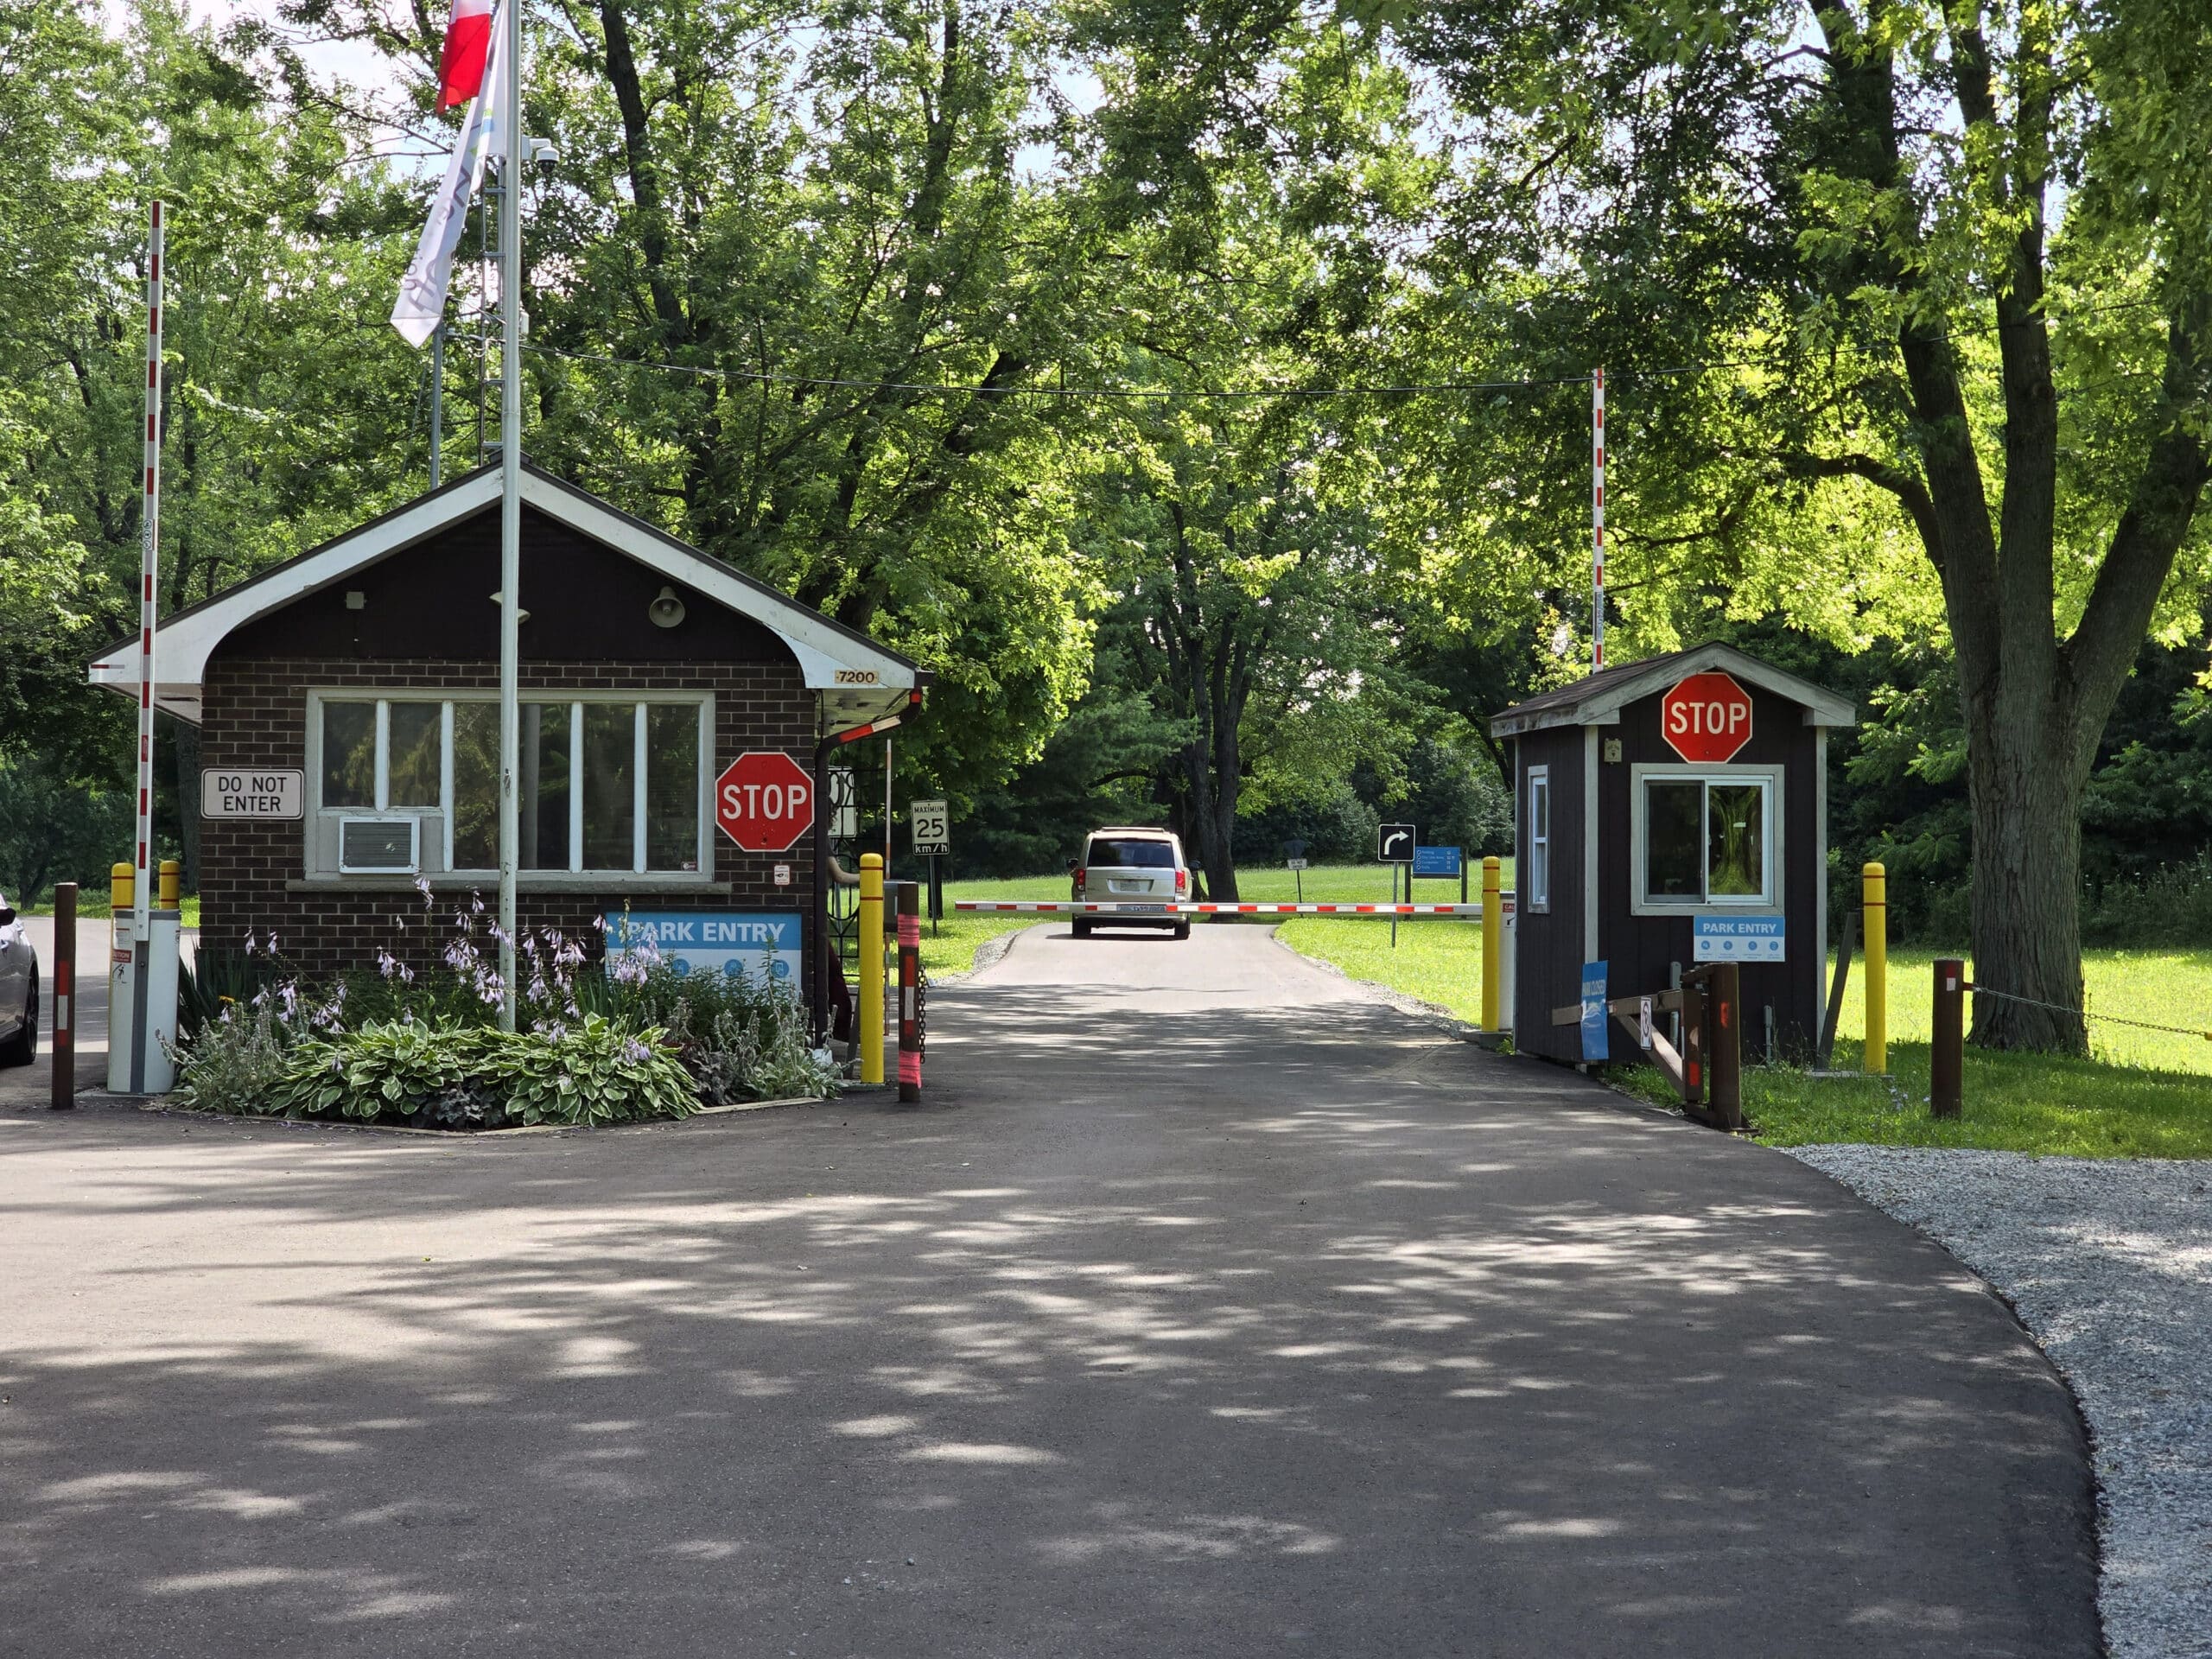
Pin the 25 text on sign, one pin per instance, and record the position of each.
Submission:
(764, 801)
(1706, 718)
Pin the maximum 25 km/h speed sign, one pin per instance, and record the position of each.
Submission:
(1394, 843)
(933, 828)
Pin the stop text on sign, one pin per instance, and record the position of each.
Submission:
(1706, 718)
(764, 801)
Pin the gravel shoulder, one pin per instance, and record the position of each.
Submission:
(2109, 1264)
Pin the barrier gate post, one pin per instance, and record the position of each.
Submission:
(870, 1015)
(910, 991)
(1493, 942)
(1873, 894)
(1947, 1055)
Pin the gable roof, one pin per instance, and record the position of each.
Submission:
(1599, 699)
(825, 647)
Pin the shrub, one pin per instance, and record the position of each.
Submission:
(740, 1037)
(235, 1061)
(451, 1075)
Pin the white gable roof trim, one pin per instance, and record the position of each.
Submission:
(1603, 707)
(824, 647)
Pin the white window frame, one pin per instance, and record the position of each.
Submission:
(1538, 895)
(1769, 840)
(637, 875)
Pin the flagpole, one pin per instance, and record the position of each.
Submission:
(510, 503)
(1597, 520)
(149, 558)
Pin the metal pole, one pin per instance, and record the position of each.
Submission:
(149, 549)
(1947, 1056)
(511, 506)
(64, 996)
(887, 807)
(437, 401)
(1726, 1061)
(870, 1014)
(1874, 896)
(1597, 519)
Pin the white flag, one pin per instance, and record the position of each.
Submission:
(421, 301)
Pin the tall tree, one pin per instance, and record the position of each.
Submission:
(1954, 253)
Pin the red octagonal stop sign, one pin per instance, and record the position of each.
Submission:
(1706, 718)
(764, 801)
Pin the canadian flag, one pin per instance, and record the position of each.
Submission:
(422, 303)
(468, 38)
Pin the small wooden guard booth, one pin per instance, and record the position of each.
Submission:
(347, 706)
(1668, 812)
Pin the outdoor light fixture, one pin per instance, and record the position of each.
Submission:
(520, 616)
(667, 610)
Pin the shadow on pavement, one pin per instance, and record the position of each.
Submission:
(1245, 1332)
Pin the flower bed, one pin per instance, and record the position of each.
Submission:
(638, 1041)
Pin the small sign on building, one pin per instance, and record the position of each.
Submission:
(1738, 938)
(728, 942)
(1593, 1011)
(269, 793)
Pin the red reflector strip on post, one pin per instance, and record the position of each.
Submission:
(1139, 907)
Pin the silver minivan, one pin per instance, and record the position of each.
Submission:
(1135, 867)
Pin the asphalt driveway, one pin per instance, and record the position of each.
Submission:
(1206, 1307)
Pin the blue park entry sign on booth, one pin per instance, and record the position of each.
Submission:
(1437, 860)
(1738, 938)
(730, 942)
(1593, 1011)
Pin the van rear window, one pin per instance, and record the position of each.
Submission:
(1131, 856)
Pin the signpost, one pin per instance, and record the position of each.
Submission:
(764, 801)
(1395, 844)
(1707, 718)
(1294, 862)
(932, 840)
(1593, 1011)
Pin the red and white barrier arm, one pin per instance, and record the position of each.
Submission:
(1047, 907)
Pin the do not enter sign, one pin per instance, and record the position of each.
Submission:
(764, 801)
(1706, 718)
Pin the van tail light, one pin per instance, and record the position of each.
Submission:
(1079, 873)
(1182, 883)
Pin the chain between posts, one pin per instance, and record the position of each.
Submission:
(2084, 1014)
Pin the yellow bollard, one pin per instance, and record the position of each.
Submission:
(171, 883)
(121, 889)
(1493, 942)
(1873, 892)
(871, 1008)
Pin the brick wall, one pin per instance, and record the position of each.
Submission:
(254, 714)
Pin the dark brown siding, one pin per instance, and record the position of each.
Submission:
(587, 602)
(255, 714)
(1639, 950)
(1548, 965)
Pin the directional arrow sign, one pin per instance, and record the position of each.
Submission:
(1394, 843)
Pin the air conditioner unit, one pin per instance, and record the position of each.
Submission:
(379, 846)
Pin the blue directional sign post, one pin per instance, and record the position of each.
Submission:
(1443, 862)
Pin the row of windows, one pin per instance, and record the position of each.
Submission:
(1697, 839)
(604, 786)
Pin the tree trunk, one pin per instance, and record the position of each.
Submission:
(2026, 795)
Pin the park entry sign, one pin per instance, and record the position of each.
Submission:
(1706, 719)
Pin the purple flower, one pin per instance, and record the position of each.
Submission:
(636, 1052)
(248, 941)
(422, 887)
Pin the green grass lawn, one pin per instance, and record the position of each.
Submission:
(2142, 1095)
(92, 908)
(953, 949)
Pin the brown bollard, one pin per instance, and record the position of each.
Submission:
(64, 996)
(910, 991)
(1726, 1062)
(1947, 1053)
